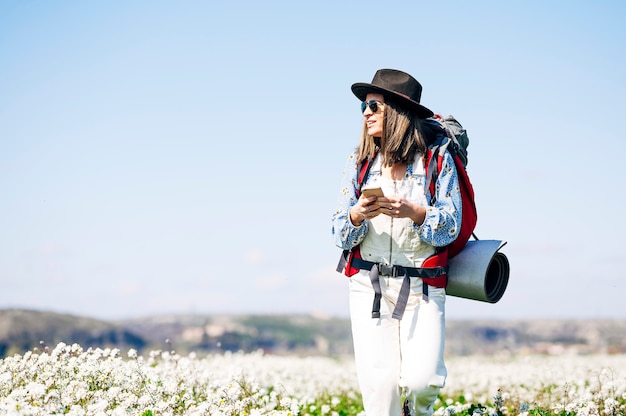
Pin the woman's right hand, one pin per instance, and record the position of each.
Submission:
(366, 208)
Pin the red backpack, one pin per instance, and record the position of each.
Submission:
(456, 142)
(451, 136)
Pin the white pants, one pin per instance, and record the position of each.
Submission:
(394, 358)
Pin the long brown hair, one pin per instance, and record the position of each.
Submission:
(402, 139)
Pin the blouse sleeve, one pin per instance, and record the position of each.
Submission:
(443, 220)
(345, 234)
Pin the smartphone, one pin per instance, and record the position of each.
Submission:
(372, 191)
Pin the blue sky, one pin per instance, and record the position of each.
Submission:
(184, 157)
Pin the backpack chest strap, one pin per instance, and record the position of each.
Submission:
(398, 271)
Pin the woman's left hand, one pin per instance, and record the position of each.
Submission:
(398, 207)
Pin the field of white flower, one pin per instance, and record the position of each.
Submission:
(70, 380)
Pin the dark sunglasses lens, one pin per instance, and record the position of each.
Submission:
(373, 105)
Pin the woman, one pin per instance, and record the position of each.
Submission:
(396, 306)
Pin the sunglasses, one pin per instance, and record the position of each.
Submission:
(374, 105)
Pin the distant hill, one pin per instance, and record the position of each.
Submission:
(536, 336)
(23, 330)
(300, 334)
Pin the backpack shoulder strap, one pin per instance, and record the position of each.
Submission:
(364, 170)
(433, 162)
(345, 260)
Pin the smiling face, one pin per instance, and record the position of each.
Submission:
(374, 121)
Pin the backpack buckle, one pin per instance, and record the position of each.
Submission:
(390, 270)
(385, 269)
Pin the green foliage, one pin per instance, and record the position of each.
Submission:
(343, 404)
(546, 412)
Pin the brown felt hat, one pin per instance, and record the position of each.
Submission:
(396, 86)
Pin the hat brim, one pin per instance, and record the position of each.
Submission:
(361, 89)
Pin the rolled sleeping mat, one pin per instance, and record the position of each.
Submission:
(479, 272)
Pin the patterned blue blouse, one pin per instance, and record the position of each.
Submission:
(440, 227)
